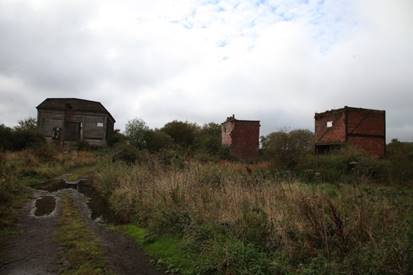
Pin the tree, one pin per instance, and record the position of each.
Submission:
(156, 140)
(287, 149)
(29, 124)
(135, 131)
(182, 133)
(209, 138)
(6, 137)
(23, 136)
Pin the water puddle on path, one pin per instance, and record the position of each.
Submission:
(45, 206)
(97, 204)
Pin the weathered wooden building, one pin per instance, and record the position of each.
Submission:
(362, 128)
(242, 137)
(74, 120)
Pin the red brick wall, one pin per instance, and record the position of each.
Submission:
(245, 139)
(242, 137)
(365, 122)
(371, 145)
(366, 130)
(333, 135)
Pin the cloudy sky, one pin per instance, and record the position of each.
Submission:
(279, 61)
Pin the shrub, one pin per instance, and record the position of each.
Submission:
(346, 165)
(208, 138)
(27, 139)
(29, 124)
(286, 150)
(254, 226)
(115, 138)
(135, 132)
(126, 153)
(6, 138)
(156, 140)
(183, 133)
(231, 256)
(22, 137)
(172, 220)
(400, 156)
(172, 157)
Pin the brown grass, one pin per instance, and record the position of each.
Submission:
(303, 220)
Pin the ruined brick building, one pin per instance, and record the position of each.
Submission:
(242, 137)
(74, 120)
(362, 128)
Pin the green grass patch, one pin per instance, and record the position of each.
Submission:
(169, 251)
(217, 254)
(81, 246)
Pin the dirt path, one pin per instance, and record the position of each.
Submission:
(35, 250)
(117, 247)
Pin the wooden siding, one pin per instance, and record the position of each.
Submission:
(93, 128)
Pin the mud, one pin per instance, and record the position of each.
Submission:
(33, 250)
(100, 209)
(45, 206)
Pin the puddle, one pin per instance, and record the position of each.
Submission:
(45, 206)
(97, 204)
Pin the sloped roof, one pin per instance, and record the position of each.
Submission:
(76, 104)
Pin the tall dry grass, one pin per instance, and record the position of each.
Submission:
(301, 221)
(46, 161)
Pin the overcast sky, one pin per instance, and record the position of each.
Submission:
(201, 61)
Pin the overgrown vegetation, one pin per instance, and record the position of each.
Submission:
(188, 140)
(32, 168)
(82, 249)
(291, 212)
(23, 136)
(12, 196)
(252, 221)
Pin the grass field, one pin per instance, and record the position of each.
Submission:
(231, 221)
(205, 217)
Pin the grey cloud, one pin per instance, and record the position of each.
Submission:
(158, 71)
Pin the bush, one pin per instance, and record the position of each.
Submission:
(172, 220)
(182, 133)
(345, 165)
(115, 138)
(286, 150)
(27, 139)
(171, 157)
(29, 124)
(208, 139)
(126, 153)
(156, 140)
(400, 157)
(135, 132)
(6, 138)
(231, 256)
(222, 253)
(254, 226)
(23, 136)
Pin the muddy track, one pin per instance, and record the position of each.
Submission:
(35, 251)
